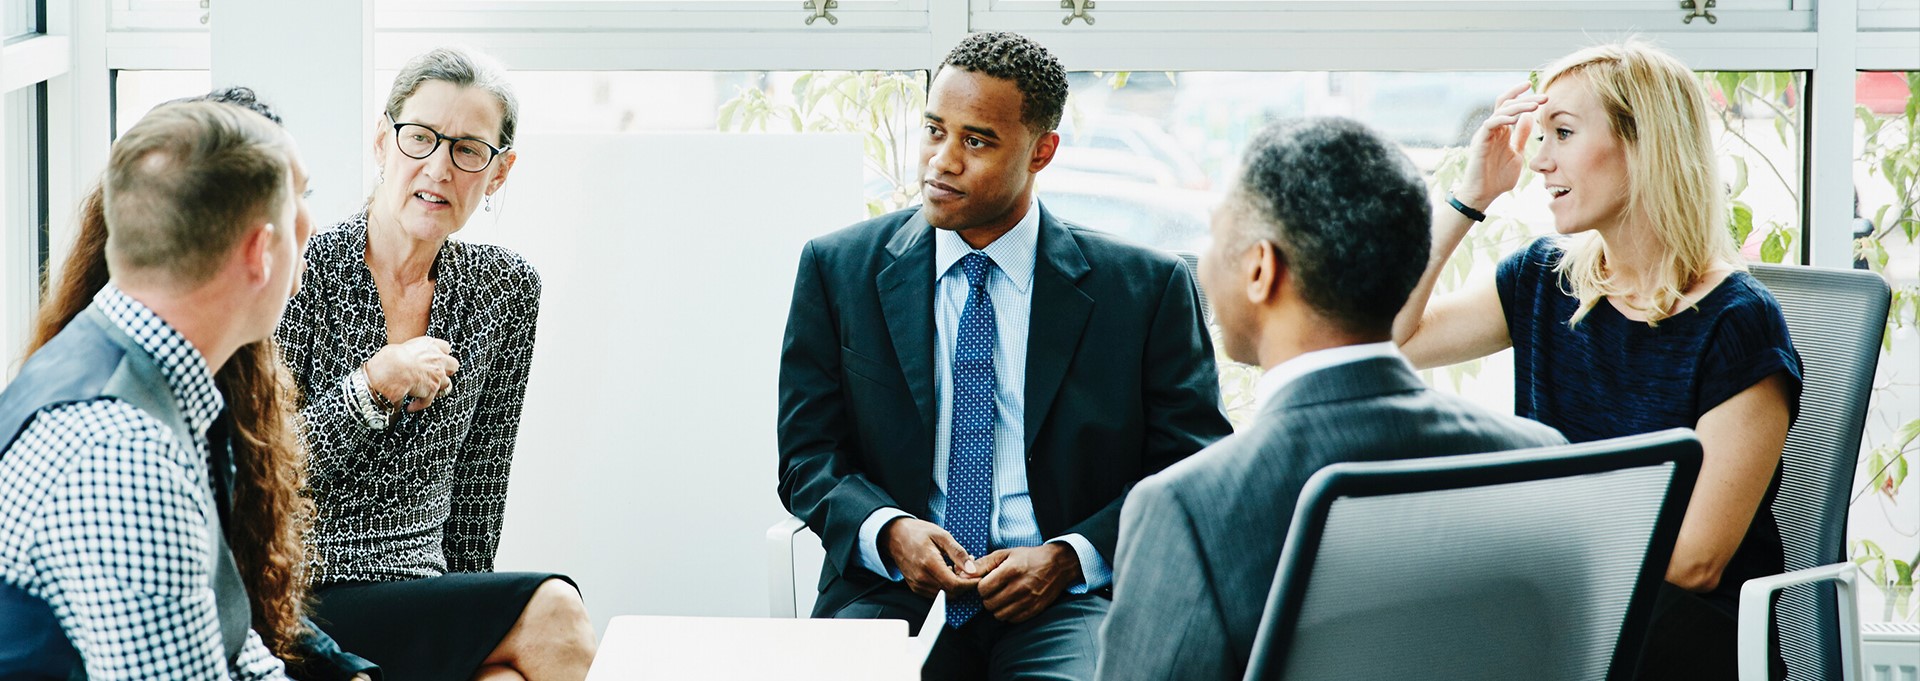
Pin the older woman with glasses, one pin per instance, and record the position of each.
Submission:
(412, 351)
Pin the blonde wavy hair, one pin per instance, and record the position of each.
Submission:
(1659, 116)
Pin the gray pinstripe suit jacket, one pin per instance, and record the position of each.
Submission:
(1199, 542)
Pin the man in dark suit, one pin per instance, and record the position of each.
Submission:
(968, 389)
(1314, 252)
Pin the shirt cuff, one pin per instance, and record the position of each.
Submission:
(1094, 571)
(870, 541)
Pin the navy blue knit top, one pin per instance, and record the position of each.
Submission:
(1611, 376)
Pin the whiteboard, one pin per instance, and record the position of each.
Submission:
(646, 467)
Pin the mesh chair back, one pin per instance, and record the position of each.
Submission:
(1535, 564)
(1193, 269)
(1836, 318)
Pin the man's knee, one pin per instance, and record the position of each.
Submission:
(889, 602)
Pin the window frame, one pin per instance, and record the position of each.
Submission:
(25, 230)
(1174, 35)
(1890, 15)
(1393, 15)
(1887, 51)
(29, 61)
(565, 15)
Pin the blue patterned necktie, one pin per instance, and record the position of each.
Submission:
(970, 456)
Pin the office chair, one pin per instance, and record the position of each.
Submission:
(1836, 318)
(1532, 564)
(794, 557)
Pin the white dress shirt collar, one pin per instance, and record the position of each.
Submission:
(1014, 252)
(1291, 370)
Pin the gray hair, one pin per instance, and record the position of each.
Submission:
(1347, 211)
(461, 67)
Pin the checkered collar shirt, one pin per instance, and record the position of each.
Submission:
(185, 369)
(104, 515)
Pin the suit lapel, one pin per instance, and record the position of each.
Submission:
(1060, 313)
(906, 300)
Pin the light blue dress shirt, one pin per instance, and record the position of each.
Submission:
(1010, 284)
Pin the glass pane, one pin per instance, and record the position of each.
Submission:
(137, 92)
(1759, 134)
(1145, 154)
(881, 105)
(885, 106)
(23, 219)
(1882, 528)
(21, 17)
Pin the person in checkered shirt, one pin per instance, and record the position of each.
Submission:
(109, 512)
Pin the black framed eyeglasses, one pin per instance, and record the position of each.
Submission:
(468, 154)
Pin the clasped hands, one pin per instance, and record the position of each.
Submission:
(1014, 584)
(415, 372)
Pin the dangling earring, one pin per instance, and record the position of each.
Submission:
(379, 175)
(488, 204)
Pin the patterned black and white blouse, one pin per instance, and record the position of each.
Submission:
(426, 495)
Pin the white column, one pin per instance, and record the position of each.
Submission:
(79, 118)
(947, 22)
(313, 62)
(1830, 154)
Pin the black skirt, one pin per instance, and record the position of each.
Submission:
(427, 629)
(1691, 639)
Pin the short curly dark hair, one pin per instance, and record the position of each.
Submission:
(1011, 56)
(238, 95)
(1348, 211)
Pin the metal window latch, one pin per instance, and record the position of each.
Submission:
(1079, 8)
(203, 15)
(818, 9)
(1696, 11)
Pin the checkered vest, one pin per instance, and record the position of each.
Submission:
(93, 359)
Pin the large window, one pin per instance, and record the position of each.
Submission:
(882, 106)
(1146, 154)
(1884, 528)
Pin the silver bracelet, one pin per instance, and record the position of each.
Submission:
(360, 395)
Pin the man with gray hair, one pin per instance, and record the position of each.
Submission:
(115, 469)
(1314, 252)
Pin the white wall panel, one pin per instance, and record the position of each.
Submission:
(646, 466)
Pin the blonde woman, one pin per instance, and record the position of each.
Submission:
(1637, 316)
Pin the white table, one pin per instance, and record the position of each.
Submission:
(756, 649)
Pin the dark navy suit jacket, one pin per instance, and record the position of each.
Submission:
(1120, 384)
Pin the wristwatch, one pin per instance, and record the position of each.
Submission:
(361, 397)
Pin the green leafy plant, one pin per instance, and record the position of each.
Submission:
(1774, 95)
(1891, 153)
(882, 107)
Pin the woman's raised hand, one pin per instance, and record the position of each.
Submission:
(1498, 151)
